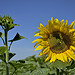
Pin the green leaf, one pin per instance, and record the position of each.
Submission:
(71, 71)
(59, 64)
(72, 65)
(41, 71)
(11, 55)
(3, 49)
(18, 65)
(27, 73)
(21, 61)
(2, 57)
(31, 58)
(17, 37)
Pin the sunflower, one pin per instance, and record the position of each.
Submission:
(56, 41)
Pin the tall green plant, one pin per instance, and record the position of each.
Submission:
(7, 23)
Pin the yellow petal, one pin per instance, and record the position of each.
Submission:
(71, 26)
(72, 47)
(43, 29)
(44, 43)
(37, 40)
(60, 57)
(49, 56)
(62, 22)
(46, 26)
(74, 34)
(49, 22)
(69, 59)
(71, 54)
(56, 27)
(52, 20)
(50, 26)
(65, 30)
(41, 26)
(64, 57)
(66, 22)
(37, 34)
(61, 29)
(42, 32)
(56, 21)
(71, 30)
(44, 51)
(53, 58)
(36, 44)
(44, 35)
(39, 47)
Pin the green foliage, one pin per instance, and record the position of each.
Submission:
(35, 66)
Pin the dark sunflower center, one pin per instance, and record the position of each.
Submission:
(58, 42)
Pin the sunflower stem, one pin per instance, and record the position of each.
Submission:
(57, 71)
(7, 55)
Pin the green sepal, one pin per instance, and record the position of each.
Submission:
(1, 34)
(7, 23)
(17, 37)
(37, 32)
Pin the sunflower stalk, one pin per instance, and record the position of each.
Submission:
(7, 54)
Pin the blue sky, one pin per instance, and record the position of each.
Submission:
(29, 14)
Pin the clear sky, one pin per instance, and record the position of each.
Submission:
(29, 14)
